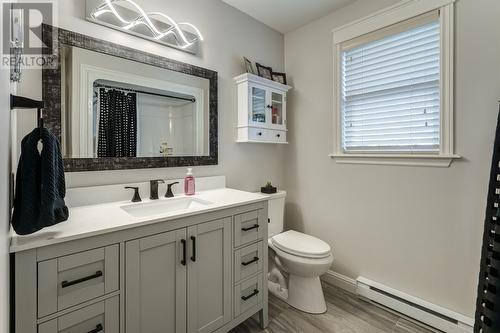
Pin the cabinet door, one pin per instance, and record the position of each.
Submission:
(258, 106)
(278, 109)
(209, 276)
(155, 283)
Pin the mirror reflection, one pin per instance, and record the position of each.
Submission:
(114, 107)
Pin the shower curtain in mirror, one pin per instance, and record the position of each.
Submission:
(117, 124)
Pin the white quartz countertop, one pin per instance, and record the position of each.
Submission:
(88, 221)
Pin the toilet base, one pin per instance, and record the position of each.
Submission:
(304, 294)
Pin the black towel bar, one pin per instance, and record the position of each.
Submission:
(19, 102)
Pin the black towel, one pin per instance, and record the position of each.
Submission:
(40, 184)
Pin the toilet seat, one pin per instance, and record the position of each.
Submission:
(302, 245)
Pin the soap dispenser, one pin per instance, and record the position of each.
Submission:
(189, 183)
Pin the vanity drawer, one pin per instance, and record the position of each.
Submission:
(247, 294)
(248, 227)
(248, 261)
(102, 317)
(67, 281)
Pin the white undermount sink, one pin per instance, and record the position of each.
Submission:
(163, 206)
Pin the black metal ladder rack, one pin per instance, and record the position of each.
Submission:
(488, 301)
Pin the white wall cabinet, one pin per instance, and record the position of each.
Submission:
(261, 110)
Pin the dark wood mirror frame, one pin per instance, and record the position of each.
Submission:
(56, 38)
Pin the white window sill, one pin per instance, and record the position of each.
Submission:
(438, 161)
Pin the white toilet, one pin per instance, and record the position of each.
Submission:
(296, 261)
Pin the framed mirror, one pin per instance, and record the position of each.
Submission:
(114, 107)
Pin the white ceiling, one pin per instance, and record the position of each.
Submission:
(287, 15)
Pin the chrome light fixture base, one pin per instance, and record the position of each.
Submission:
(127, 16)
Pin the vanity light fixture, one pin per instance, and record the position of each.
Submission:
(129, 17)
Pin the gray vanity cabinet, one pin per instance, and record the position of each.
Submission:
(155, 284)
(209, 276)
(204, 273)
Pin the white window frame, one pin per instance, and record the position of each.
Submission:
(398, 13)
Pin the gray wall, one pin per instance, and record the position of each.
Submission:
(4, 197)
(415, 229)
(229, 35)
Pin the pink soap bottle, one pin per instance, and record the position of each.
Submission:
(189, 183)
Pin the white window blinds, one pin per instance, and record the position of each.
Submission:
(391, 89)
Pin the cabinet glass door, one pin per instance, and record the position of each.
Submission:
(258, 105)
(277, 101)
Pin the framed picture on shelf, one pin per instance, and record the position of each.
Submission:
(249, 66)
(265, 72)
(279, 77)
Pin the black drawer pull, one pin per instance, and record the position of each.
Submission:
(255, 259)
(183, 261)
(255, 226)
(246, 298)
(193, 257)
(66, 284)
(98, 328)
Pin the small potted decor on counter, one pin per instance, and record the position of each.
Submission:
(269, 189)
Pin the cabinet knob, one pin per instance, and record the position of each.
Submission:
(269, 106)
(259, 134)
(279, 135)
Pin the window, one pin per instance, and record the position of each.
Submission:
(390, 92)
(394, 91)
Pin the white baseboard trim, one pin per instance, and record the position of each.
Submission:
(340, 281)
(351, 285)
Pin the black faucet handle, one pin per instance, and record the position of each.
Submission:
(170, 194)
(154, 188)
(137, 197)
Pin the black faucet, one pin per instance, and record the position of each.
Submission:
(154, 188)
(170, 194)
(137, 197)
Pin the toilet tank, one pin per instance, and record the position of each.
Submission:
(276, 213)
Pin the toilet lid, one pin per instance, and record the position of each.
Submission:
(302, 245)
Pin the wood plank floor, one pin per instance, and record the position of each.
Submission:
(346, 314)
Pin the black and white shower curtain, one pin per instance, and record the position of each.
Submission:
(117, 124)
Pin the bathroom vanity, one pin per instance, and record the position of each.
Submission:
(184, 264)
(187, 264)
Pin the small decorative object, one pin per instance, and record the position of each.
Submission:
(269, 189)
(129, 17)
(265, 72)
(16, 44)
(249, 66)
(279, 77)
(165, 150)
